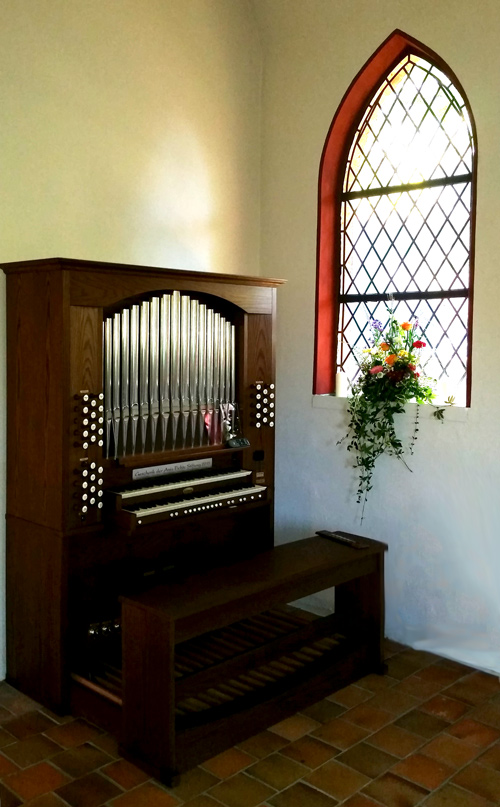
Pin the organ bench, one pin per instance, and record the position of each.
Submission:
(212, 660)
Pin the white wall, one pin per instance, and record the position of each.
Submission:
(442, 521)
(130, 132)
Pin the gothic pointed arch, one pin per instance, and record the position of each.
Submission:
(427, 268)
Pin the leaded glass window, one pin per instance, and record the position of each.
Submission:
(406, 220)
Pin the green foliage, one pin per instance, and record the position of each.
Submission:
(388, 381)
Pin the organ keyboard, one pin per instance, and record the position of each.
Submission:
(150, 504)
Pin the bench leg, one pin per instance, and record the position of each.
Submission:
(365, 598)
(148, 727)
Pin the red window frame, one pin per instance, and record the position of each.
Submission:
(331, 176)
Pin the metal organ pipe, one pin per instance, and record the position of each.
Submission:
(169, 376)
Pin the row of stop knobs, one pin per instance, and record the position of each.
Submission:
(89, 429)
(89, 484)
(89, 421)
(262, 405)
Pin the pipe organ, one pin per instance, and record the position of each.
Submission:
(143, 588)
(133, 445)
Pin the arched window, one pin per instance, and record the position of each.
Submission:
(397, 188)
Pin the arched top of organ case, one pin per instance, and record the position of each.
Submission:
(102, 284)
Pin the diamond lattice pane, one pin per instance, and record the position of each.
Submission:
(406, 242)
(410, 240)
(415, 129)
(442, 324)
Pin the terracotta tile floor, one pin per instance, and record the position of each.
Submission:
(426, 733)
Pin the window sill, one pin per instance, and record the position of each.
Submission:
(454, 414)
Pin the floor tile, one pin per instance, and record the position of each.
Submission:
(451, 750)
(368, 717)
(446, 708)
(397, 703)
(34, 781)
(337, 780)
(71, 734)
(192, 783)
(350, 696)
(367, 759)
(91, 790)
(418, 688)
(425, 771)
(48, 800)
(360, 800)
(6, 715)
(228, 763)
(324, 711)
(202, 801)
(399, 668)
(6, 738)
(451, 796)
(8, 798)
(241, 791)
(310, 751)
(391, 647)
(393, 791)
(34, 749)
(488, 713)
(420, 658)
(294, 727)
(146, 795)
(491, 757)
(278, 771)
(474, 733)
(439, 675)
(340, 733)
(472, 689)
(419, 722)
(27, 724)
(6, 766)
(79, 761)
(15, 701)
(396, 740)
(301, 795)
(263, 744)
(478, 779)
(124, 773)
(107, 743)
(376, 683)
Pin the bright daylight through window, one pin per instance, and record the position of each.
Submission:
(406, 221)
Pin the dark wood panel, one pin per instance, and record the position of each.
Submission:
(285, 573)
(148, 695)
(37, 347)
(108, 288)
(36, 611)
(86, 349)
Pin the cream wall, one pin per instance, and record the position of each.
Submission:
(130, 132)
(442, 521)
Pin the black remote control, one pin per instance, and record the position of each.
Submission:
(344, 538)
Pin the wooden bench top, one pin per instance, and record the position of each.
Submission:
(223, 595)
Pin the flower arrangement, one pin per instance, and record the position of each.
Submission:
(390, 377)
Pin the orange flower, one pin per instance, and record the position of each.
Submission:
(406, 326)
(384, 346)
(391, 359)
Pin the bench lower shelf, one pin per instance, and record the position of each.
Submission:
(218, 703)
(184, 693)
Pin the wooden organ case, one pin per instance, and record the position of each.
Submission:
(143, 589)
